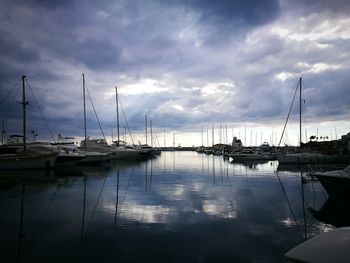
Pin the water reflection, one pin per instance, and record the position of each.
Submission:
(293, 168)
(181, 206)
(334, 212)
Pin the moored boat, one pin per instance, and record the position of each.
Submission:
(302, 157)
(16, 159)
(336, 183)
(305, 158)
(19, 157)
(249, 155)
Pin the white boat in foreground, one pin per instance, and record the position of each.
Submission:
(333, 246)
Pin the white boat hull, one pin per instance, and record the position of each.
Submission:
(24, 162)
(117, 154)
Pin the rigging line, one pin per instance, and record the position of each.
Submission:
(98, 120)
(16, 95)
(127, 124)
(155, 135)
(289, 205)
(41, 112)
(10, 91)
(285, 125)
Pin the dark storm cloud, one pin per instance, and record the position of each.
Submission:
(240, 13)
(225, 19)
(322, 95)
(338, 6)
(98, 55)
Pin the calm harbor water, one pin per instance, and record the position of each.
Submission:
(178, 207)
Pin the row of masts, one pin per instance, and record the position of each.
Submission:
(146, 130)
(117, 117)
(25, 103)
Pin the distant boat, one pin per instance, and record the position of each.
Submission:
(20, 157)
(303, 157)
(145, 149)
(72, 155)
(118, 150)
(336, 183)
(249, 155)
(208, 150)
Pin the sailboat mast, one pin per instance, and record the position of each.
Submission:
(24, 103)
(202, 135)
(117, 105)
(3, 132)
(300, 112)
(85, 133)
(150, 125)
(146, 128)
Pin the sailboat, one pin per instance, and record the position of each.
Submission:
(92, 153)
(148, 150)
(120, 149)
(21, 157)
(303, 157)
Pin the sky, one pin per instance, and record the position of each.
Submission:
(187, 64)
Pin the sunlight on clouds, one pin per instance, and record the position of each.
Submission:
(322, 45)
(178, 107)
(318, 67)
(335, 29)
(217, 89)
(315, 68)
(175, 106)
(280, 31)
(143, 86)
(284, 75)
